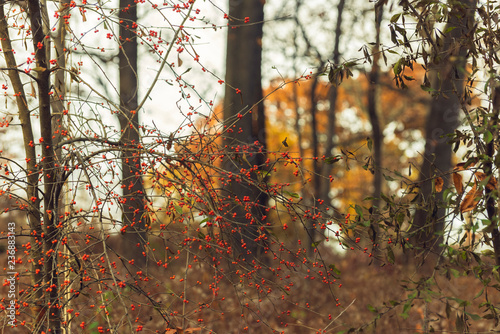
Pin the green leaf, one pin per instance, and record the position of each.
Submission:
(265, 174)
(395, 18)
(390, 255)
(474, 317)
(369, 143)
(455, 272)
(427, 89)
(449, 29)
(372, 308)
(406, 309)
(388, 178)
(178, 209)
(385, 198)
(332, 160)
(205, 220)
(488, 137)
(393, 302)
(93, 325)
(294, 195)
(189, 69)
(359, 210)
(336, 271)
(316, 243)
(397, 67)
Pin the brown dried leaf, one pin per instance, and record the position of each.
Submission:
(466, 165)
(457, 181)
(169, 143)
(480, 176)
(438, 184)
(459, 167)
(471, 199)
(492, 182)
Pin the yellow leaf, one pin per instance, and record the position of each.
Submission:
(39, 69)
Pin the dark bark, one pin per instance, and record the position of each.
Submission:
(324, 192)
(48, 167)
(133, 216)
(31, 170)
(492, 194)
(377, 135)
(243, 72)
(322, 170)
(58, 99)
(373, 87)
(317, 177)
(443, 118)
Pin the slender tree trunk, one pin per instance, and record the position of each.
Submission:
(322, 170)
(317, 177)
(332, 99)
(373, 109)
(58, 99)
(448, 79)
(492, 194)
(48, 167)
(373, 114)
(243, 96)
(37, 273)
(133, 216)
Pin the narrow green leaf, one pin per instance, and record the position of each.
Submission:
(369, 143)
(336, 271)
(397, 67)
(332, 160)
(390, 255)
(395, 18)
(388, 178)
(427, 89)
(488, 137)
(359, 210)
(385, 198)
(294, 195)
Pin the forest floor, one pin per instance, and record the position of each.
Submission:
(371, 298)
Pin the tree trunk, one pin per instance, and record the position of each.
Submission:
(317, 177)
(243, 96)
(322, 170)
(332, 99)
(373, 114)
(37, 273)
(492, 194)
(134, 220)
(47, 164)
(448, 79)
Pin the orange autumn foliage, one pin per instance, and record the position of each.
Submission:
(288, 110)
